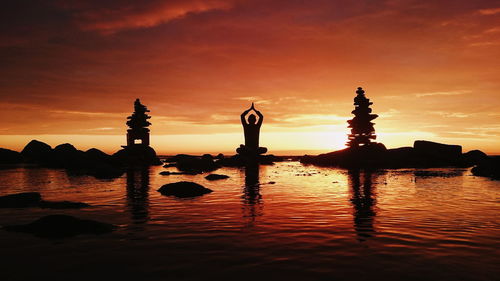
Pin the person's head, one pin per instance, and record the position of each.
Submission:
(252, 119)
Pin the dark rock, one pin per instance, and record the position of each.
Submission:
(488, 168)
(60, 226)
(372, 155)
(138, 155)
(193, 164)
(239, 160)
(62, 205)
(168, 173)
(183, 189)
(169, 165)
(34, 199)
(20, 200)
(473, 157)
(36, 152)
(96, 155)
(213, 177)
(8, 156)
(67, 156)
(437, 154)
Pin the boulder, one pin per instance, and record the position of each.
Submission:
(183, 189)
(367, 156)
(60, 226)
(8, 156)
(67, 156)
(137, 155)
(488, 168)
(96, 155)
(213, 177)
(36, 151)
(193, 164)
(34, 199)
(432, 154)
(20, 200)
(473, 157)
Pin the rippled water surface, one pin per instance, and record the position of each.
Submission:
(281, 222)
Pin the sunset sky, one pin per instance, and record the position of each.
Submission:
(71, 70)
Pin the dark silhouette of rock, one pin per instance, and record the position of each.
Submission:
(194, 164)
(213, 177)
(473, 157)
(67, 156)
(425, 155)
(36, 152)
(137, 155)
(184, 189)
(488, 168)
(20, 200)
(8, 156)
(371, 155)
(61, 226)
(34, 199)
(168, 173)
(437, 153)
(169, 165)
(95, 155)
(242, 161)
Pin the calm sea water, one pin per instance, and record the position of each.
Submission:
(289, 222)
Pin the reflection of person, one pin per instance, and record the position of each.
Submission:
(251, 128)
(252, 199)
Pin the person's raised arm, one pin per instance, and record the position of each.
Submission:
(261, 117)
(242, 117)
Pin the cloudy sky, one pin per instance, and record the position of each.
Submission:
(70, 71)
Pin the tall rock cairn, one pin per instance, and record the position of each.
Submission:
(362, 131)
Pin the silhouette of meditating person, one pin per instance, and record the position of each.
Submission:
(251, 128)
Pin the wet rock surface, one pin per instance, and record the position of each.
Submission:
(213, 177)
(20, 200)
(183, 189)
(423, 154)
(61, 226)
(34, 199)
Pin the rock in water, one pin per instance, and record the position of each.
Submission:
(20, 200)
(488, 168)
(183, 189)
(437, 154)
(213, 177)
(60, 226)
(36, 151)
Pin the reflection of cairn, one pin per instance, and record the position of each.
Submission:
(138, 123)
(362, 130)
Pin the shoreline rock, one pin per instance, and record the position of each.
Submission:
(183, 189)
(34, 199)
(213, 177)
(424, 154)
(61, 226)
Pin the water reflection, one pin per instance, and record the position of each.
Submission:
(252, 200)
(363, 200)
(138, 194)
